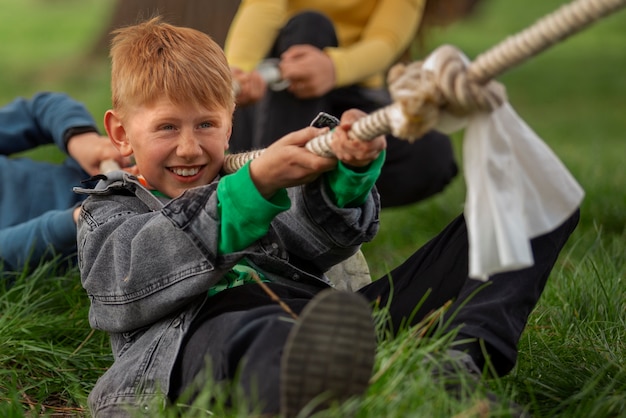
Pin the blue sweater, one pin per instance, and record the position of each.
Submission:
(36, 198)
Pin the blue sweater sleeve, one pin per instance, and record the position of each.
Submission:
(41, 238)
(43, 119)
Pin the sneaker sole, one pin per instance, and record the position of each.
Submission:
(329, 355)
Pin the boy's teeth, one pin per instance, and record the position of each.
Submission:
(186, 171)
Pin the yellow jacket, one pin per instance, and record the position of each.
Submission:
(372, 33)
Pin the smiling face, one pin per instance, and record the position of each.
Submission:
(176, 147)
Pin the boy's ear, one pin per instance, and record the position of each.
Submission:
(117, 133)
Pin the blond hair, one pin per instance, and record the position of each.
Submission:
(153, 59)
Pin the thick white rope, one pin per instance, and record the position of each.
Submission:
(562, 23)
(456, 86)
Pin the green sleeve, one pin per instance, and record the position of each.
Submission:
(245, 214)
(350, 187)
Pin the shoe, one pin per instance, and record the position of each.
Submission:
(329, 355)
(456, 368)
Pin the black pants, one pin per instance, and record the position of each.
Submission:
(412, 172)
(243, 330)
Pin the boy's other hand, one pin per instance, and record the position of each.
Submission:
(288, 163)
(90, 149)
(354, 152)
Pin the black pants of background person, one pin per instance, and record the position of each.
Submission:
(412, 172)
(244, 323)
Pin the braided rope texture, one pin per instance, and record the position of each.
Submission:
(558, 25)
(233, 162)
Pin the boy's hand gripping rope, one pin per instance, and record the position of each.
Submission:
(454, 86)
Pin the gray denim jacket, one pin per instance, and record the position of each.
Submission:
(147, 266)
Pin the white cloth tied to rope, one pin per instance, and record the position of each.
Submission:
(517, 188)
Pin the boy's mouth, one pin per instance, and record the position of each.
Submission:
(185, 171)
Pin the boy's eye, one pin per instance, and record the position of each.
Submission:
(167, 127)
(205, 125)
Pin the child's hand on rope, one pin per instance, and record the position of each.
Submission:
(288, 163)
(353, 152)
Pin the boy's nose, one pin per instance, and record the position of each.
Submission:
(188, 147)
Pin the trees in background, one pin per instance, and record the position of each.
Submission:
(210, 16)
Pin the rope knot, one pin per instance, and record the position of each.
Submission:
(462, 91)
(421, 90)
(416, 100)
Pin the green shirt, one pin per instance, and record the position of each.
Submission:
(239, 275)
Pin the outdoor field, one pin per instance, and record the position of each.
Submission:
(572, 360)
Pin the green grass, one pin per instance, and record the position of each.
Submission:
(50, 358)
(572, 355)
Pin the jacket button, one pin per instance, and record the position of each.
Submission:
(296, 277)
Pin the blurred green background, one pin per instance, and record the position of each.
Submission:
(45, 45)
